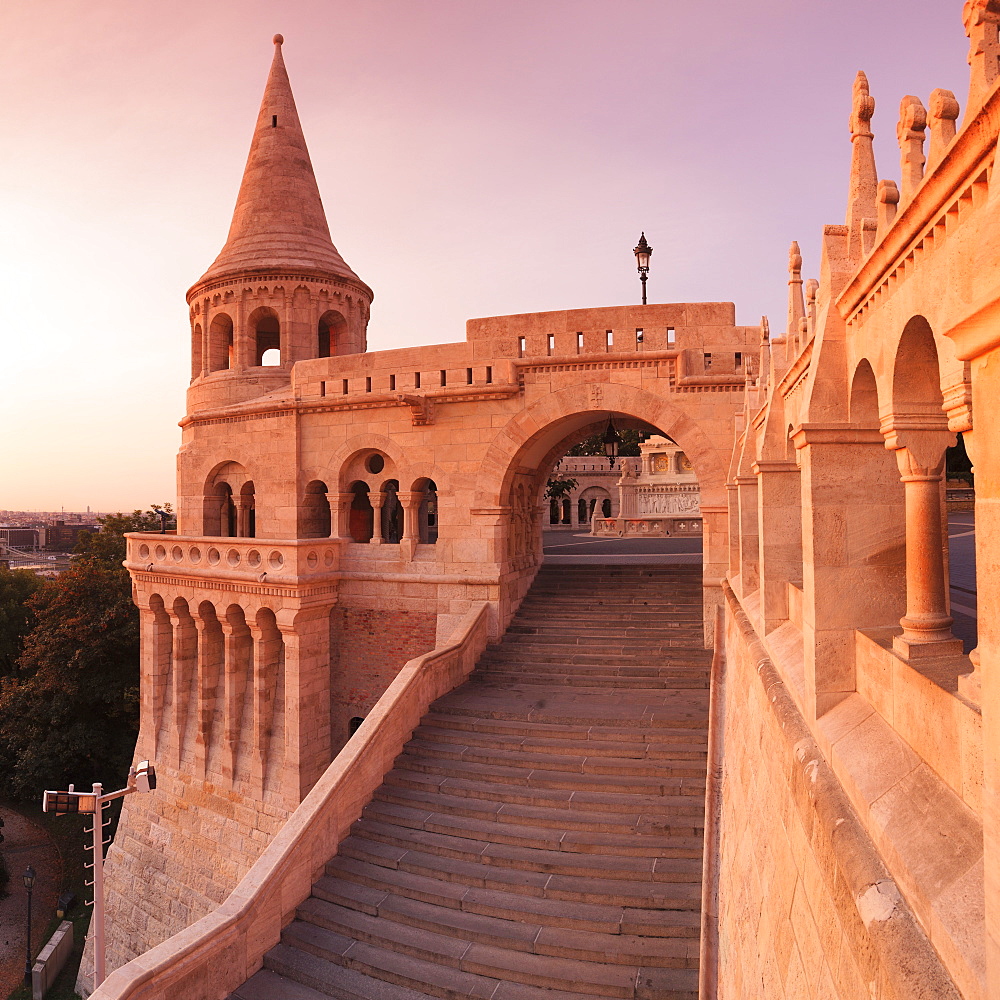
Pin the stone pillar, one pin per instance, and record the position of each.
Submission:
(733, 506)
(237, 672)
(926, 624)
(340, 514)
(746, 491)
(780, 537)
(184, 653)
(209, 654)
(715, 545)
(266, 667)
(376, 500)
(853, 545)
(155, 629)
(410, 502)
(306, 637)
(243, 505)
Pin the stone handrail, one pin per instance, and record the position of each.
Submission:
(217, 953)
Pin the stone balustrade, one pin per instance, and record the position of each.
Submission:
(216, 954)
(259, 560)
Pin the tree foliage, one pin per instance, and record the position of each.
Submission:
(594, 445)
(70, 709)
(16, 615)
(558, 488)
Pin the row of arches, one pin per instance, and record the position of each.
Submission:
(263, 341)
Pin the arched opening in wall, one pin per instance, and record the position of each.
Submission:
(354, 725)
(220, 343)
(606, 507)
(266, 332)
(314, 514)
(224, 508)
(330, 334)
(392, 513)
(197, 348)
(935, 611)
(427, 511)
(362, 515)
(246, 513)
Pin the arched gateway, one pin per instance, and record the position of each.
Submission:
(376, 498)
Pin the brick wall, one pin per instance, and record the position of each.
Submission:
(368, 648)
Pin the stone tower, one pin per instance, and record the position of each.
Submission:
(279, 284)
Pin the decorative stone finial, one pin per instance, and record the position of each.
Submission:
(888, 199)
(981, 19)
(796, 305)
(278, 39)
(941, 119)
(910, 134)
(861, 202)
(812, 287)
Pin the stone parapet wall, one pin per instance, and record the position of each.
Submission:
(807, 907)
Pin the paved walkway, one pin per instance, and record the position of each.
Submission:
(25, 844)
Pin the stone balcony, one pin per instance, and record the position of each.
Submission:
(276, 562)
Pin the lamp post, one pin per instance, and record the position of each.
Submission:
(29, 884)
(611, 442)
(643, 251)
(141, 778)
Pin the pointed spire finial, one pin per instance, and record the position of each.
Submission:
(861, 200)
(910, 135)
(982, 24)
(278, 39)
(942, 115)
(796, 304)
(279, 221)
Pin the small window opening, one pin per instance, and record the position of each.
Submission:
(368, 383)
(444, 377)
(708, 360)
(392, 383)
(638, 337)
(345, 386)
(354, 725)
(489, 374)
(274, 121)
(468, 376)
(322, 388)
(609, 339)
(520, 347)
(416, 380)
(552, 342)
(579, 343)
(739, 359)
(671, 335)
(271, 358)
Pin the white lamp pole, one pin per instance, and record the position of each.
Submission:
(141, 778)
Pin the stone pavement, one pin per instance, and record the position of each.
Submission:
(26, 844)
(540, 837)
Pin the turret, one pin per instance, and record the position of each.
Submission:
(279, 292)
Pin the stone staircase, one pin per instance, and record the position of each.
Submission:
(540, 836)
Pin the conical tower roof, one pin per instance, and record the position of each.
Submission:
(279, 222)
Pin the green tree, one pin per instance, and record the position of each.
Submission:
(555, 489)
(594, 445)
(16, 615)
(70, 712)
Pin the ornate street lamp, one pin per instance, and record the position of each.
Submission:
(611, 443)
(29, 884)
(643, 251)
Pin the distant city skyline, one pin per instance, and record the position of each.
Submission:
(474, 159)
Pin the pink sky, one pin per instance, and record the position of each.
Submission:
(476, 157)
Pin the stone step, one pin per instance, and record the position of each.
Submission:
(497, 677)
(437, 871)
(414, 927)
(649, 843)
(560, 813)
(541, 759)
(604, 735)
(553, 745)
(533, 859)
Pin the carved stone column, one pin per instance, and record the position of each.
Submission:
(376, 499)
(746, 488)
(340, 514)
(210, 654)
(237, 672)
(184, 651)
(410, 502)
(780, 538)
(926, 624)
(243, 505)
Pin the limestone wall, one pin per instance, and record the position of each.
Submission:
(807, 908)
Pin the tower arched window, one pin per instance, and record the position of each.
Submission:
(362, 517)
(266, 331)
(220, 343)
(427, 512)
(330, 333)
(392, 513)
